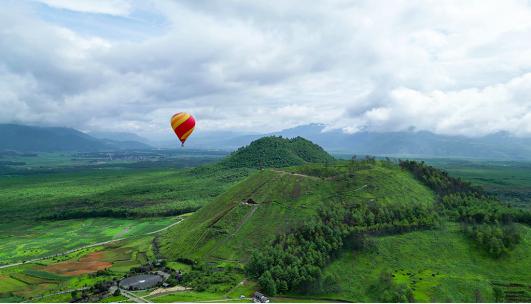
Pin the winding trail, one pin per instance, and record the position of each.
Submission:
(295, 174)
(87, 246)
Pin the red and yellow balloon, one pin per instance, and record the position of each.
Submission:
(183, 125)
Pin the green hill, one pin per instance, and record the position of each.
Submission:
(270, 202)
(276, 152)
(362, 230)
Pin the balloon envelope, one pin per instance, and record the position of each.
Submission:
(183, 125)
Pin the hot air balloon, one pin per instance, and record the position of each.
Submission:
(183, 125)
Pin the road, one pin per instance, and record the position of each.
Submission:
(85, 247)
(133, 297)
(60, 292)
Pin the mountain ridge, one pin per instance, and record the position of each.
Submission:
(25, 138)
(417, 144)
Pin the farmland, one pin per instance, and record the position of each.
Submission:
(23, 241)
(43, 280)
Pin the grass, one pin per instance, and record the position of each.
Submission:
(127, 192)
(439, 266)
(186, 296)
(24, 241)
(31, 280)
(113, 299)
(228, 230)
(210, 231)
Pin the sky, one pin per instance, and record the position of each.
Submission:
(449, 67)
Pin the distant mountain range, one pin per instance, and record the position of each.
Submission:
(47, 139)
(499, 146)
(421, 144)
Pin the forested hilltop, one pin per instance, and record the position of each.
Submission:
(276, 151)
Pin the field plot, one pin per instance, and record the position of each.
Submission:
(24, 241)
(88, 264)
(511, 181)
(48, 279)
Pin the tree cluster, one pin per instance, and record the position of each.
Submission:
(485, 219)
(277, 152)
(295, 259)
(495, 239)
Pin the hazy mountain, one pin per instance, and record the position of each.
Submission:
(407, 143)
(119, 136)
(52, 139)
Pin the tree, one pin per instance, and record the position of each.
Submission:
(268, 284)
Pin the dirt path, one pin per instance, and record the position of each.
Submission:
(295, 174)
(163, 291)
(85, 247)
(165, 228)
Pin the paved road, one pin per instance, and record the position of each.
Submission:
(85, 247)
(133, 297)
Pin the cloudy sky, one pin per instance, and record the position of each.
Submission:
(450, 67)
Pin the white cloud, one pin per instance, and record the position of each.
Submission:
(448, 67)
(110, 7)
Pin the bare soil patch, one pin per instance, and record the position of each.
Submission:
(87, 264)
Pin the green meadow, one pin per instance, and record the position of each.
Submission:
(121, 192)
(438, 265)
(24, 241)
(38, 283)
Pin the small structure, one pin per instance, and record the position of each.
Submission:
(142, 281)
(258, 297)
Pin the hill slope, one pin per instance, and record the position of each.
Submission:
(439, 266)
(46, 139)
(270, 202)
(277, 152)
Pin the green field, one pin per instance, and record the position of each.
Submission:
(37, 282)
(111, 192)
(440, 266)
(510, 181)
(24, 241)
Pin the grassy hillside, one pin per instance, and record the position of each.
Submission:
(270, 202)
(277, 152)
(439, 266)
